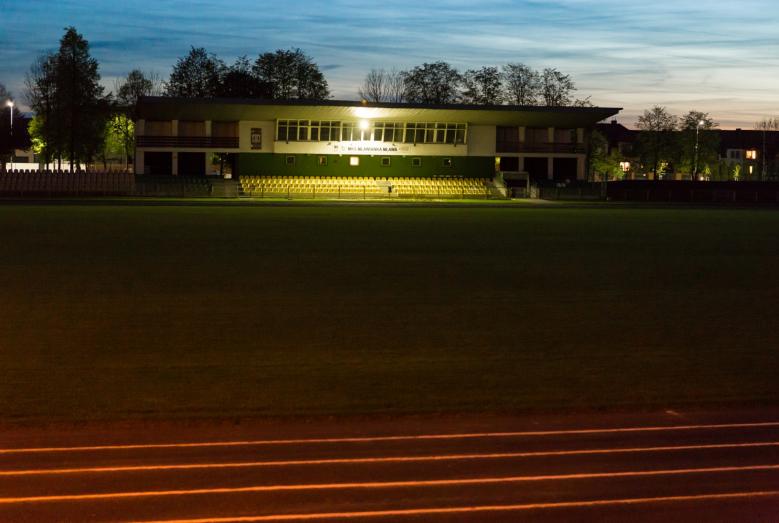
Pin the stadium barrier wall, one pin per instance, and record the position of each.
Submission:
(730, 192)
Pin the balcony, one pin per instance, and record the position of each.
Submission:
(524, 147)
(194, 142)
(569, 148)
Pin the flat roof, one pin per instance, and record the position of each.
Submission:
(171, 108)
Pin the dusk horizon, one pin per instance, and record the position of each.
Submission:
(685, 56)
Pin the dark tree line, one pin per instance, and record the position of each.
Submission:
(278, 75)
(440, 83)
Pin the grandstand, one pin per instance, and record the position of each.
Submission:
(349, 149)
(367, 187)
(62, 183)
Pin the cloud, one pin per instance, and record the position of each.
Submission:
(719, 55)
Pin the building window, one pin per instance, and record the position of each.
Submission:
(385, 161)
(290, 160)
(735, 154)
(506, 139)
(322, 161)
(354, 161)
(395, 132)
(416, 162)
(752, 154)
(447, 162)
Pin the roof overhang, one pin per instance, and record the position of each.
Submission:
(165, 108)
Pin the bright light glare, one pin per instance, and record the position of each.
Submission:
(9, 103)
(364, 125)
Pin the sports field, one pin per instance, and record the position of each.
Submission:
(114, 311)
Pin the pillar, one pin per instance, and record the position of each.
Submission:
(580, 167)
(521, 164)
(550, 168)
(139, 161)
(208, 167)
(174, 160)
(550, 134)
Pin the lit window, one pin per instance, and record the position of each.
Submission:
(752, 155)
(625, 166)
(354, 161)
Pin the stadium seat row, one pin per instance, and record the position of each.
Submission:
(260, 186)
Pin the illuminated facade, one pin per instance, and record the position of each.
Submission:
(346, 138)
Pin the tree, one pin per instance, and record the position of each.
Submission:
(522, 84)
(556, 88)
(291, 74)
(380, 85)
(238, 81)
(41, 95)
(197, 75)
(483, 86)
(655, 141)
(436, 83)
(80, 97)
(765, 125)
(135, 85)
(705, 157)
(602, 162)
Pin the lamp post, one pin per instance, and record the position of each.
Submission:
(10, 105)
(695, 161)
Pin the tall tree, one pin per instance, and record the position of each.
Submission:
(41, 95)
(80, 95)
(436, 83)
(197, 75)
(483, 86)
(380, 85)
(522, 84)
(238, 81)
(655, 141)
(705, 157)
(556, 88)
(291, 74)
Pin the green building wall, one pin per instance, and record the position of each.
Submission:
(269, 164)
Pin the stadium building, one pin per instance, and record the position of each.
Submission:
(273, 146)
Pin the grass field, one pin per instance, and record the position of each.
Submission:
(127, 311)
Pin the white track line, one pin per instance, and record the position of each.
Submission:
(371, 439)
(390, 459)
(383, 484)
(477, 509)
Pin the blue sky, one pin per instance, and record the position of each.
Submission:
(714, 56)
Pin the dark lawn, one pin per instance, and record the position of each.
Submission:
(127, 311)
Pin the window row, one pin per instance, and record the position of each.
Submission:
(395, 132)
(354, 161)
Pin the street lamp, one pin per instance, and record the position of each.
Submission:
(10, 105)
(700, 124)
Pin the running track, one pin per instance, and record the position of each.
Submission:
(683, 468)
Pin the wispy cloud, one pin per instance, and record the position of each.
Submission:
(715, 56)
